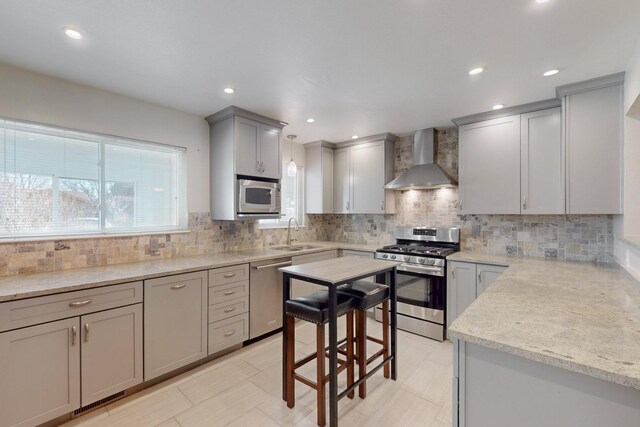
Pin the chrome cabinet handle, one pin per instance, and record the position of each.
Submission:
(453, 272)
(277, 264)
(480, 276)
(229, 309)
(86, 332)
(79, 303)
(228, 275)
(74, 334)
(460, 204)
(524, 202)
(227, 293)
(229, 333)
(347, 205)
(382, 206)
(176, 287)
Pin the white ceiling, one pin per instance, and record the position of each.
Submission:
(358, 67)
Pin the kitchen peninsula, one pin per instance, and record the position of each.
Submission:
(559, 340)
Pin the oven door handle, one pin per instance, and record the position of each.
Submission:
(438, 271)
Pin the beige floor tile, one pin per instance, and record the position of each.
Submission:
(170, 423)
(216, 379)
(224, 407)
(443, 354)
(431, 381)
(256, 418)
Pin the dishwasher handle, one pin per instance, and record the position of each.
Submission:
(277, 264)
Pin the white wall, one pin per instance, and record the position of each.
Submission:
(31, 96)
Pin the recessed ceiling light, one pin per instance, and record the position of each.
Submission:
(229, 90)
(476, 71)
(498, 107)
(550, 72)
(354, 137)
(311, 120)
(73, 34)
(542, 1)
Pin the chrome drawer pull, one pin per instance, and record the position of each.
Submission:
(179, 286)
(74, 333)
(229, 333)
(86, 332)
(229, 275)
(229, 309)
(79, 303)
(227, 293)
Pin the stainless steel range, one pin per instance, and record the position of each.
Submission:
(422, 277)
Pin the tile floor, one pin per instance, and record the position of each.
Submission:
(243, 389)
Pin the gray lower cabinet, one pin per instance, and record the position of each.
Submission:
(300, 288)
(465, 282)
(228, 307)
(111, 352)
(39, 373)
(175, 322)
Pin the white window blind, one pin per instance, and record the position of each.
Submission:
(58, 182)
(292, 199)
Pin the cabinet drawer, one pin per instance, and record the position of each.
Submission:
(228, 292)
(31, 311)
(359, 254)
(228, 332)
(227, 309)
(235, 273)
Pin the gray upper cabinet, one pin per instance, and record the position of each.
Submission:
(489, 167)
(341, 181)
(241, 143)
(319, 178)
(593, 120)
(542, 170)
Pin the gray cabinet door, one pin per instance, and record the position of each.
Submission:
(542, 171)
(593, 133)
(39, 373)
(111, 352)
(247, 147)
(489, 167)
(487, 274)
(368, 178)
(341, 181)
(319, 180)
(462, 288)
(269, 154)
(175, 322)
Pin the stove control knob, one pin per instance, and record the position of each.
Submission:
(385, 256)
(422, 260)
(407, 257)
(393, 257)
(432, 261)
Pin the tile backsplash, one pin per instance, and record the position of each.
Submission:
(570, 237)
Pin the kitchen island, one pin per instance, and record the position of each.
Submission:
(549, 343)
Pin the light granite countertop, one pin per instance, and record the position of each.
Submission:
(19, 287)
(581, 317)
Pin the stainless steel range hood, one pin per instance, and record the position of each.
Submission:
(424, 173)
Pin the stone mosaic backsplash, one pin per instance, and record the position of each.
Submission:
(205, 237)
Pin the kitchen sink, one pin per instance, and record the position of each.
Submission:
(294, 248)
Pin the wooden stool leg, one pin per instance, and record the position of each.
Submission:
(362, 350)
(385, 335)
(320, 374)
(350, 358)
(290, 328)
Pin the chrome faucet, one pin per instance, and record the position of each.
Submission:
(289, 230)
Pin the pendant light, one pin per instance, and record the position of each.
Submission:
(292, 169)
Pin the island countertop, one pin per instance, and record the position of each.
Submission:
(578, 316)
(19, 287)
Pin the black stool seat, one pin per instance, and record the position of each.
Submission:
(314, 308)
(365, 294)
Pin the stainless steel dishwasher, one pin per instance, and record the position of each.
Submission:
(265, 296)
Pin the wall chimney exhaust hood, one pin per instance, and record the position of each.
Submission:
(424, 173)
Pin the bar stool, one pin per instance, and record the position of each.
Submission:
(366, 295)
(314, 308)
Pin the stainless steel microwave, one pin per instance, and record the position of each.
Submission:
(258, 198)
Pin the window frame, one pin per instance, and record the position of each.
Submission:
(178, 208)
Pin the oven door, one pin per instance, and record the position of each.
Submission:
(258, 197)
(421, 295)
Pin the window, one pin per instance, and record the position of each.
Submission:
(61, 182)
(292, 199)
